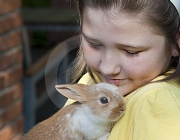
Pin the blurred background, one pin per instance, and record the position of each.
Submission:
(38, 41)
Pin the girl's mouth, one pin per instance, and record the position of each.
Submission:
(110, 80)
(116, 82)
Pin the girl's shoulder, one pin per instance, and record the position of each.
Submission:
(156, 97)
(156, 90)
(153, 107)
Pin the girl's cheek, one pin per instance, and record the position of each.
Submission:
(91, 57)
(136, 68)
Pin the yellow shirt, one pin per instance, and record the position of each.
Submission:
(152, 112)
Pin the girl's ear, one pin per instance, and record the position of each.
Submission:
(75, 92)
(174, 51)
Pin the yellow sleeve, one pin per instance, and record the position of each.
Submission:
(157, 118)
(155, 115)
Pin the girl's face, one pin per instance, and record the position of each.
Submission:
(122, 49)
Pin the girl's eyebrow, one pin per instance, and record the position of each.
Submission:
(88, 38)
(117, 44)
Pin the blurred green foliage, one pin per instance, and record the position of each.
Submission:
(36, 3)
(39, 39)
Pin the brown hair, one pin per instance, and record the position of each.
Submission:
(160, 14)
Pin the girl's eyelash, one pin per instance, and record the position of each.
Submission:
(132, 53)
(94, 45)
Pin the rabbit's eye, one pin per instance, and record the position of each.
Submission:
(104, 100)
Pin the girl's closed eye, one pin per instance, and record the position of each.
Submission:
(95, 46)
(132, 53)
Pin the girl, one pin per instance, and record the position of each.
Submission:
(134, 44)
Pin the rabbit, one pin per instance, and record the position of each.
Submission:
(91, 117)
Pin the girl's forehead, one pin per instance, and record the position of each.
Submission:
(114, 17)
(113, 14)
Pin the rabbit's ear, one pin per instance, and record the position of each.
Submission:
(75, 92)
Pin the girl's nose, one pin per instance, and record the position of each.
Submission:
(110, 65)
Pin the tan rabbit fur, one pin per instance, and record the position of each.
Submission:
(92, 117)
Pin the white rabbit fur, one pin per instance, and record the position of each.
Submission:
(86, 119)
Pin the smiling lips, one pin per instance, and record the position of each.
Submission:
(116, 82)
